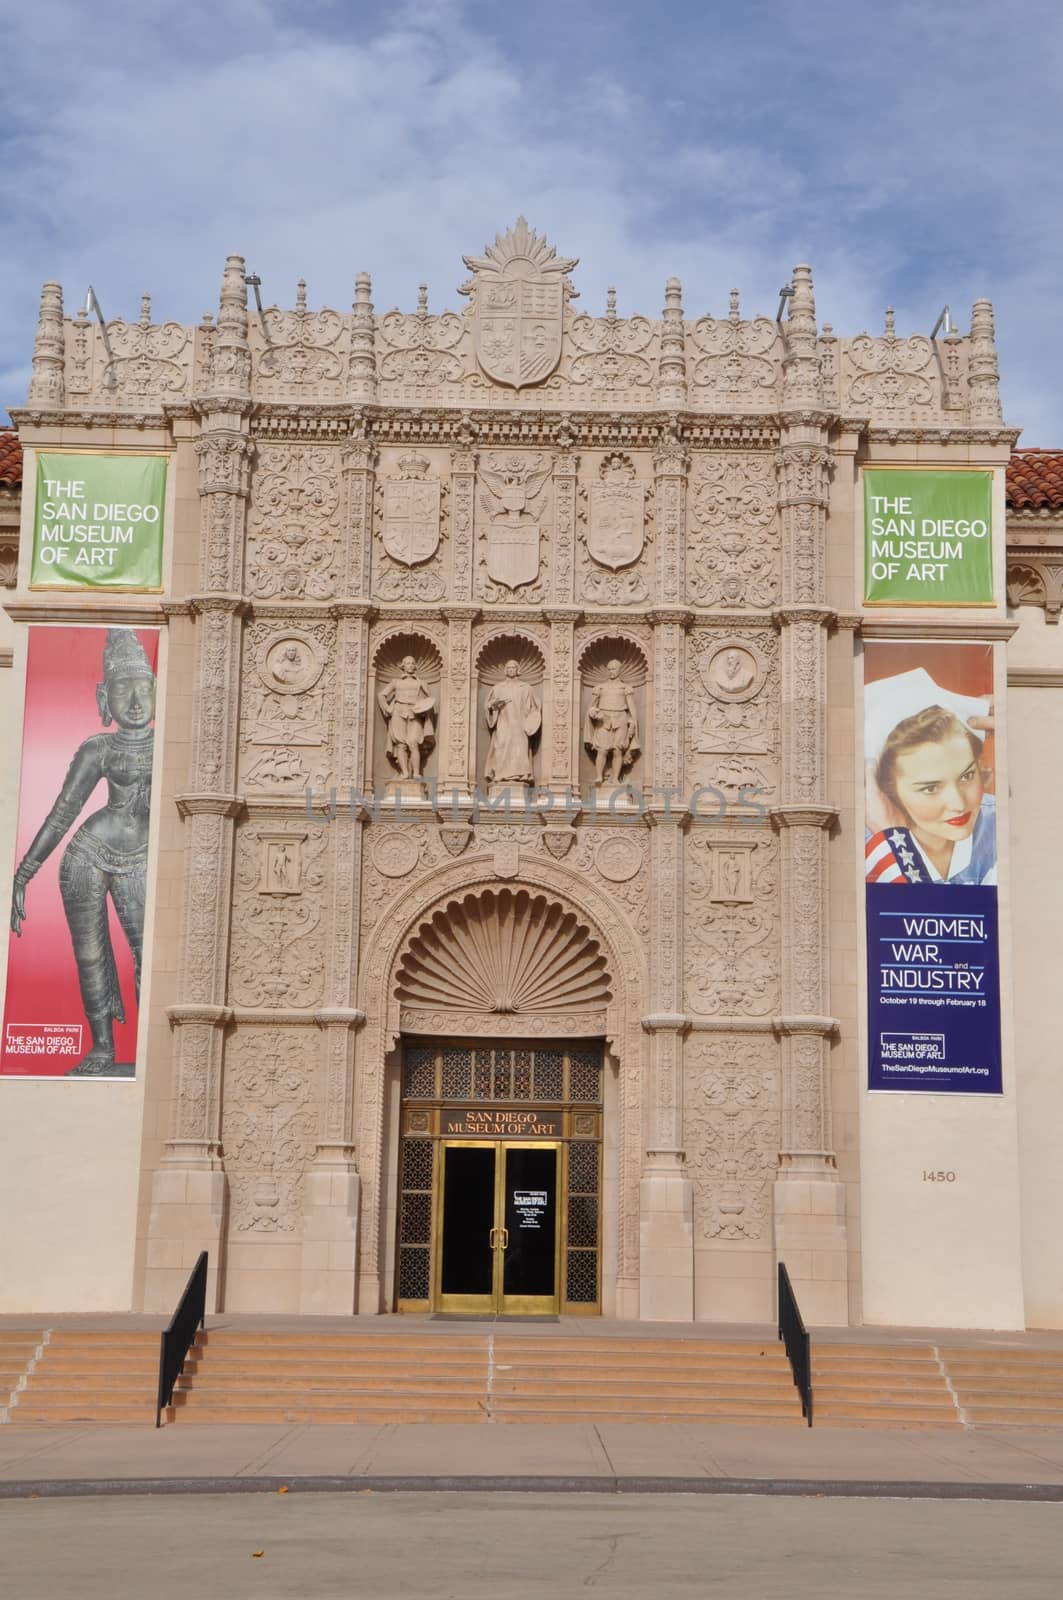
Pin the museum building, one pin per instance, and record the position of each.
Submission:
(490, 925)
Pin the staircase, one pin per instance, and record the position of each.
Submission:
(1001, 1387)
(880, 1386)
(237, 1377)
(85, 1375)
(18, 1346)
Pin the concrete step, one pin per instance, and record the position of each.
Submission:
(30, 1410)
(44, 1380)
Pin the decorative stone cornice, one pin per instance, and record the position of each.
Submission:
(183, 1016)
(237, 604)
(803, 816)
(665, 1022)
(129, 611)
(822, 615)
(924, 626)
(822, 1027)
(212, 805)
(679, 616)
(1035, 677)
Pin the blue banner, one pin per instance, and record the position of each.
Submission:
(933, 988)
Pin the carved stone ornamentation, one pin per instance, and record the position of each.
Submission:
(733, 715)
(733, 545)
(277, 956)
(731, 1132)
(418, 350)
(306, 350)
(613, 712)
(740, 360)
(511, 488)
(891, 376)
(611, 355)
(148, 361)
(294, 523)
(268, 1127)
(286, 712)
(519, 289)
(411, 513)
(732, 954)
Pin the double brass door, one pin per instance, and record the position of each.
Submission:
(498, 1238)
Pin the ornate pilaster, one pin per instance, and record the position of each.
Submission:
(671, 463)
(361, 367)
(562, 770)
(809, 1199)
(47, 387)
(983, 373)
(358, 459)
(666, 1206)
(458, 767)
(462, 503)
(672, 370)
(563, 553)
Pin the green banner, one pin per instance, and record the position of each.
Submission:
(97, 521)
(928, 537)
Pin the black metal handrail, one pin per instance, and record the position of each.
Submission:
(794, 1335)
(179, 1337)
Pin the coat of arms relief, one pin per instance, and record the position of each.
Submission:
(510, 486)
(519, 289)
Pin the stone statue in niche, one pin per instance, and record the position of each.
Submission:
(611, 730)
(514, 715)
(408, 707)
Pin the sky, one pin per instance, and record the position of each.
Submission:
(908, 151)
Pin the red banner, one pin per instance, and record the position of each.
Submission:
(77, 906)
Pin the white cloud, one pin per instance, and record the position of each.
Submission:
(889, 146)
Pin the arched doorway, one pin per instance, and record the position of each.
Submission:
(508, 1117)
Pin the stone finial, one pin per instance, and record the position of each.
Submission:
(734, 313)
(230, 363)
(672, 370)
(145, 311)
(983, 372)
(47, 387)
(361, 368)
(801, 374)
(300, 295)
(422, 299)
(610, 304)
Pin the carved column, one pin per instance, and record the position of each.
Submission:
(983, 373)
(666, 1214)
(462, 513)
(672, 370)
(189, 1192)
(361, 367)
(359, 459)
(564, 547)
(47, 387)
(810, 1230)
(562, 769)
(670, 466)
(458, 759)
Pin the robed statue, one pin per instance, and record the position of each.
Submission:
(107, 858)
(611, 728)
(408, 708)
(514, 715)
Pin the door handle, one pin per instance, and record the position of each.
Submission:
(492, 1242)
(505, 1238)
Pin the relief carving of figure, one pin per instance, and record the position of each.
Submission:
(408, 708)
(611, 730)
(514, 716)
(108, 856)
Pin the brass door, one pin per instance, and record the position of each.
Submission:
(498, 1227)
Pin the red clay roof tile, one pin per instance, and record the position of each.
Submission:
(10, 458)
(1035, 480)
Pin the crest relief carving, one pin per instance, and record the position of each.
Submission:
(411, 513)
(511, 485)
(519, 289)
(616, 531)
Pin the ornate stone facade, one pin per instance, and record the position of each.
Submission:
(506, 633)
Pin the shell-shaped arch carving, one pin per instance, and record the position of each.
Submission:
(504, 951)
(510, 645)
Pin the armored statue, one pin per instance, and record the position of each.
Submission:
(514, 716)
(408, 709)
(107, 857)
(611, 729)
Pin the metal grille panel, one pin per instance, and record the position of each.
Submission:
(456, 1074)
(581, 1277)
(549, 1075)
(414, 1273)
(585, 1076)
(419, 1074)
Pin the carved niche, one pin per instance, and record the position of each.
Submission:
(409, 530)
(614, 730)
(732, 715)
(511, 557)
(277, 953)
(286, 706)
(731, 957)
(509, 710)
(731, 1133)
(293, 524)
(733, 538)
(268, 1127)
(404, 700)
(615, 517)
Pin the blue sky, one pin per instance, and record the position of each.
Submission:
(910, 152)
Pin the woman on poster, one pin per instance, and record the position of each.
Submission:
(930, 818)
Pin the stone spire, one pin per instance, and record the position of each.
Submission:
(230, 374)
(361, 369)
(46, 384)
(801, 378)
(983, 371)
(672, 370)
